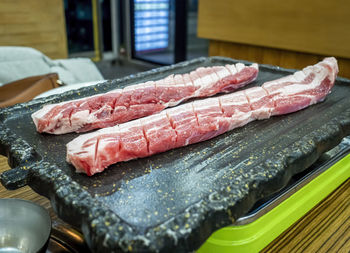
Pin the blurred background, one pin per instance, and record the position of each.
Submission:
(122, 37)
(142, 33)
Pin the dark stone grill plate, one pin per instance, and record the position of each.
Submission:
(171, 201)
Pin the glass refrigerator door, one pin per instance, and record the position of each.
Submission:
(165, 31)
(152, 30)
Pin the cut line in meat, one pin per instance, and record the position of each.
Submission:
(201, 120)
(140, 100)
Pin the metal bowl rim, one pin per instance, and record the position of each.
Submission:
(43, 245)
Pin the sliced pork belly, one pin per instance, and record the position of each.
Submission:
(302, 89)
(184, 121)
(201, 120)
(237, 108)
(140, 100)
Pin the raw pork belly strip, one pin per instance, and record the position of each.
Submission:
(201, 120)
(136, 101)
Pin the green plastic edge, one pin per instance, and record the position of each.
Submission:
(257, 235)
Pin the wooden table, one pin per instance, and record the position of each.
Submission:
(326, 228)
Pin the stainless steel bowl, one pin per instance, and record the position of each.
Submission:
(24, 226)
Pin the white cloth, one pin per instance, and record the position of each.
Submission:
(21, 62)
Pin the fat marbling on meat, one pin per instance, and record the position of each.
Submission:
(140, 100)
(201, 120)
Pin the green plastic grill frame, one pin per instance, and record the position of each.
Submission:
(256, 235)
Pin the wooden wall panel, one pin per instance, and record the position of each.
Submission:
(311, 26)
(34, 23)
(282, 58)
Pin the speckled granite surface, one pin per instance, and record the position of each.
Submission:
(171, 202)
